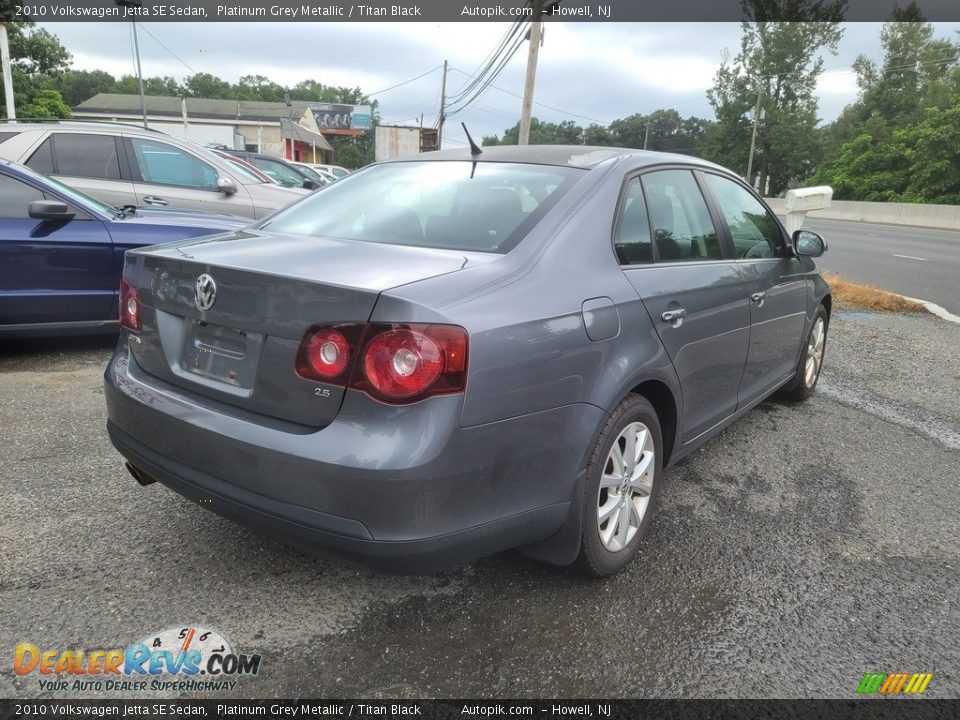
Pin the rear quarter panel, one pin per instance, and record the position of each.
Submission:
(529, 349)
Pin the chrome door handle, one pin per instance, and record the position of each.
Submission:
(674, 317)
(758, 298)
(154, 200)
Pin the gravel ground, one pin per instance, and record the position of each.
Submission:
(804, 546)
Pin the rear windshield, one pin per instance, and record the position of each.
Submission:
(456, 205)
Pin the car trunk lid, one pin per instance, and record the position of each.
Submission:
(235, 339)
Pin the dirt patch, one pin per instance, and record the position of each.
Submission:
(866, 297)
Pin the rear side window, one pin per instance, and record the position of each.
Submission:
(42, 159)
(90, 156)
(15, 198)
(632, 236)
(682, 228)
(457, 205)
(165, 164)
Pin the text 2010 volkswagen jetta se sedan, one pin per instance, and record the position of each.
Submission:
(439, 358)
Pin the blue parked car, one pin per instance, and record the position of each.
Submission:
(61, 252)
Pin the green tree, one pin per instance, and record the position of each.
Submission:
(155, 86)
(205, 85)
(36, 58)
(935, 160)
(668, 131)
(778, 63)
(78, 85)
(541, 133)
(595, 134)
(44, 104)
(258, 87)
(918, 71)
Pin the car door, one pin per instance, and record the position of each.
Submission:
(89, 162)
(775, 283)
(168, 176)
(670, 250)
(51, 271)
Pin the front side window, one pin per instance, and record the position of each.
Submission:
(278, 172)
(682, 228)
(458, 205)
(15, 198)
(83, 155)
(632, 236)
(165, 164)
(755, 232)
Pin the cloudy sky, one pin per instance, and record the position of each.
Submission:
(587, 71)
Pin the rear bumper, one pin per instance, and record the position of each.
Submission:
(402, 489)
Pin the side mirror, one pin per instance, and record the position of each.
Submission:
(50, 210)
(309, 185)
(807, 243)
(226, 185)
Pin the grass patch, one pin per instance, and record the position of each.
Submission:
(866, 297)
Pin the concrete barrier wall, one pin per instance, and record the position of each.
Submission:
(945, 217)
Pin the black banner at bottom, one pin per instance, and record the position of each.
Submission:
(447, 709)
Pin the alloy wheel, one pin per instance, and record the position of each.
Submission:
(625, 486)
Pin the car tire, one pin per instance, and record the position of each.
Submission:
(811, 359)
(624, 490)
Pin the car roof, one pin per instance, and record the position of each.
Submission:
(106, 126)
(582, 156)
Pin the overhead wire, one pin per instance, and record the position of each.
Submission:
(486, 83)
(160, 43)
(405, 82)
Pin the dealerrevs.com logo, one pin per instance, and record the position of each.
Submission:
(182, 658)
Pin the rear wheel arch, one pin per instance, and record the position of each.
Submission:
(661, 397)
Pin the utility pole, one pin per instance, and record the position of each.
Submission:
(443, 107)
(534, 52)
(646, 135)
(7, 75)
(143, 100)
(753, 140)
(129, 4)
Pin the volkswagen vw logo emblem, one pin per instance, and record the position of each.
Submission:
(204, 292)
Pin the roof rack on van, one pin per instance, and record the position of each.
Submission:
(72, 121)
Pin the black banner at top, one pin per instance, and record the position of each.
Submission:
(468, 10)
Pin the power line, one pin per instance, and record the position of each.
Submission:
(471, 92)
(492, 75)
(405, 82)
(494, 56)
(544, 105)
(160, 43)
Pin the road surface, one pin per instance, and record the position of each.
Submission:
(916, 262)
(806, 545)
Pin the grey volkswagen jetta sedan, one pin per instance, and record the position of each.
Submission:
(439, 358)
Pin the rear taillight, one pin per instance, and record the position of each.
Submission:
(394, 363)
(324, 354)
(129, 306)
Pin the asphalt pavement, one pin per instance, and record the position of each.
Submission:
(805, 546)
(916, 262)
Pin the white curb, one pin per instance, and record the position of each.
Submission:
(934, 309)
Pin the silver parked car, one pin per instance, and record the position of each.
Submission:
(445, 356)
(125, 165)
